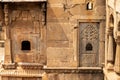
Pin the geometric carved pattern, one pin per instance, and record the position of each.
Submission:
(90, 32)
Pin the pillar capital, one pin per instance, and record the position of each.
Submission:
(110, 31)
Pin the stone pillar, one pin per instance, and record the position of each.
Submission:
(7, 38)
(110, 50)
(117, 57)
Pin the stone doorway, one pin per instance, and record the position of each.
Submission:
(89, 44)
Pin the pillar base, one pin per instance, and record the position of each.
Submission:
(110, 66)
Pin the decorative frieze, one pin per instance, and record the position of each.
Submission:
(21, 73)
(9, 66)
(30, 65)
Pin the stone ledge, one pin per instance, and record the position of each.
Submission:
(23, 0)
(30, 65)
(9, 66)
(23, 73)
(73, 69)
(111, 75)
(22, 65)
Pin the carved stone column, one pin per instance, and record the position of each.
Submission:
(7, 38)
(110, 49)
(117, 57)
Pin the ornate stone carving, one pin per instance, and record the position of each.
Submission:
(21, 73)
(90, 32)
(30, 65)
(89, 46)
(110, 31)
(9, 66)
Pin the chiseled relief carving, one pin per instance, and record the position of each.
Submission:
(89, 44)
(90, 32)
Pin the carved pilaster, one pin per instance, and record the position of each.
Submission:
(110, 31)
(44, 13)
(6, 20)
(117, 58)
(110, 49)
(8, 58)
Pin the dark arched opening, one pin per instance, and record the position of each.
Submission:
(89, 47)
(114, 50)
(119, 26)
(111, 22)
(89, 6)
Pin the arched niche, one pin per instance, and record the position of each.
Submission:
(111, 21)
(119, 26)
(89, 47)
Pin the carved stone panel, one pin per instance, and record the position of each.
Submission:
(89, 44)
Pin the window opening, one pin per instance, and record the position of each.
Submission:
(89, 47)
(89, 6)
(25, 45)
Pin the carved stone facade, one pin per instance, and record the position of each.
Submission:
(112, 61)
(53, 39)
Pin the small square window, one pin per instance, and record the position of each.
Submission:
(25, 45)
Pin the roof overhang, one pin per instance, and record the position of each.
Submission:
(23, 0)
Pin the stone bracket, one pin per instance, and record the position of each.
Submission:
(9, 65)
(30, 65)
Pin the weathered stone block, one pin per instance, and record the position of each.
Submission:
(60, 57)
(55, 12)
(78, 1)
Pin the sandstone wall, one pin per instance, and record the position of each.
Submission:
(56, 44)
(65, 76)
(25, 21)
(63, 19)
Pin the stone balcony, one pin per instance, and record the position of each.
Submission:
(22, 65)
(22, 69)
